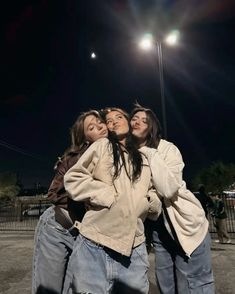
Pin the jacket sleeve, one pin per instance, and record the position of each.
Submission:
(155, 204)
(56, 192)
(81, 184)
(166, 167)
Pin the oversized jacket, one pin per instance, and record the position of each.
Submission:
(183, 208)
(118, 206)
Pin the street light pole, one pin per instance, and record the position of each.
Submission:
(162, 88)
(147, 43)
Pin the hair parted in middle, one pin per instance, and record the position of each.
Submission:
(154, 127)
(130, 146)
(105, 111)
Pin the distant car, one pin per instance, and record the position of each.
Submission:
(229, 195)
(230, 199)
(36, 210)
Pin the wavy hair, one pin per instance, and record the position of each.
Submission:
(79, 143)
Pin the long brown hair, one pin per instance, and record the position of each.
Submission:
(79, 143)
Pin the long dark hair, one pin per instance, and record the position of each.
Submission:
(118, 149)
(79, 143)
(154, 127)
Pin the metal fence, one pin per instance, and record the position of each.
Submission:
(229, 204)
(24, 215)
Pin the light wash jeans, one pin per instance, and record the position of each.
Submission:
(175, 272)
(52, 249)
(98, 270)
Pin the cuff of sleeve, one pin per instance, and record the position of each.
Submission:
(155, 209)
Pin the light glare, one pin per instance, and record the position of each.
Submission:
(146, 43)
(172, 38)
(93, 55)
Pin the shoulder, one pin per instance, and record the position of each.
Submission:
(97, 149)
(163, 148)
(101, 141)
(165, 145)
(67, 161)
(99, 144)
(147, 152)
(166, 148)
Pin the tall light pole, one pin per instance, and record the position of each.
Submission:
(147, 43)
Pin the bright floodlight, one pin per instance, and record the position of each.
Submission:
(172, 38)
(146, 43)
(93, 55)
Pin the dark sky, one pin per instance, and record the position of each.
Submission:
(48, 77)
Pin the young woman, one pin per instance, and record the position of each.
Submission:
(55, 233)
(114, 178)
(180, 235)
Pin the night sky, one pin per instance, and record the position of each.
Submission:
(48, 77)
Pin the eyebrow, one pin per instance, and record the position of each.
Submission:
(118, 114)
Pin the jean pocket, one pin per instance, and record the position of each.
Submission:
(53, 225)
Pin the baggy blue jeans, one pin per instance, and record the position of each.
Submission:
(98, 270)
(53, 246)
(175, 272)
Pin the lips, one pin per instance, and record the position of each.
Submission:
(116, 128)
(104, 133)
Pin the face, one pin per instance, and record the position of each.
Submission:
(117, 122)
(139, 125)
(94, 128)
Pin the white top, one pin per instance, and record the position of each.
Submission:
(185, 211)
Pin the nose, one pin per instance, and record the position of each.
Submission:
(104, 127)
(115, 121)
(136, 123)
(111, 123)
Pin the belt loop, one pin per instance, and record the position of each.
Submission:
(77, 225)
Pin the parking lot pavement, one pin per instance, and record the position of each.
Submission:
(223, 261)
(15, 262)
(16, 259)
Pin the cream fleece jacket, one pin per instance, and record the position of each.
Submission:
(117, 208)
(185, 211)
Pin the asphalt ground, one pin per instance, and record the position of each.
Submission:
(16, 261)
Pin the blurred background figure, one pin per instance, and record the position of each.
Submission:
(204, 199)
(220, 217)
